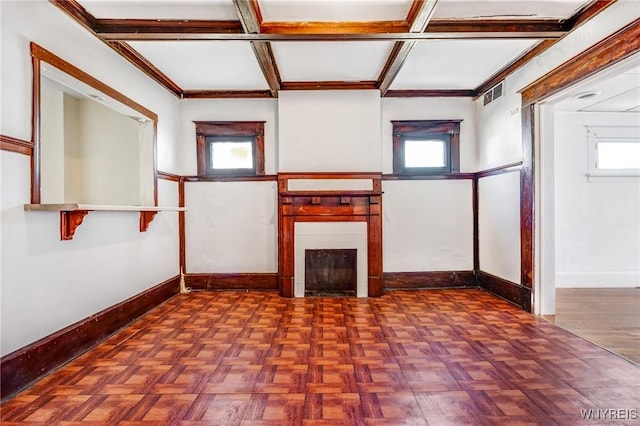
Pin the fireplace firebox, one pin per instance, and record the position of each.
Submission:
(330, 272)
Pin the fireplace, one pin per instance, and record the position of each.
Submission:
(334, 218)
(330, 272)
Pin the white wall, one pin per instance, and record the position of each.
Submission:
(499, 225)
(597, 223)
(227, 110)
(499, 132)
(428, 226)
(47, 284)
(231, 227)
(110, 156)
(329, 131)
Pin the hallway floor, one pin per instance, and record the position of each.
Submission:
(438, 357)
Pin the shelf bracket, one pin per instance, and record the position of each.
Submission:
(69, 221)
(146, 217)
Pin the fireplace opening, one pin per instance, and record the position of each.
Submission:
(330, 272)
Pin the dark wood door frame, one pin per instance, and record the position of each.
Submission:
(607, 52)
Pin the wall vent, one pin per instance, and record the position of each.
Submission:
(494, 93)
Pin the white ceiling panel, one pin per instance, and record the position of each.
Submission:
(161, 9)
(331, 61)
(334, 10)
(507, 9)
(221, 65)
(456, 64)
(615, 90)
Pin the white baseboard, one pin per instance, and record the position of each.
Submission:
(597, 279)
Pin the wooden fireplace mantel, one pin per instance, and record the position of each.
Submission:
(329, 206)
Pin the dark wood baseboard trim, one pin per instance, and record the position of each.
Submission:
(240, 281)
(510, 291)
(431, 279)
(26, 365)
(8, 143)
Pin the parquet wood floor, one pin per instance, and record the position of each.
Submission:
(439, 357)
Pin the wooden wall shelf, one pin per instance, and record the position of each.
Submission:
(72, 214)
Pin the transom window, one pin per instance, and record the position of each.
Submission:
(230, 148)
(426, 146)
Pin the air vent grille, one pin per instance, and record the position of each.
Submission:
(494, 93)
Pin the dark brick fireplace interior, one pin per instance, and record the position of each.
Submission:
(330, 272)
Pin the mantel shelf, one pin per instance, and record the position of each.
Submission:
(72, 214)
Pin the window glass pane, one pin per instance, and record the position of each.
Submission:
(618, 155)
(231, 155)
(424, 153)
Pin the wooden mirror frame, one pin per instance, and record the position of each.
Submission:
(39, 55)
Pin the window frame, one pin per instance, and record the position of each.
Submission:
(447, 130)
(604, 134)
(252, 130)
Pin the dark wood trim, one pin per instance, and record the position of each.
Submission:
(173, 26)
(345, 27)
(328, 175)
(20, 146)
(265, 37)
(69, 222)
(507, 168)
(527, 194)
(434, 93)
(24, 366)
(475, 208)
(250, 17)
(433, 176)
(578, 19)
(497, 26)
(227, 281)
(252, 178)
(447, 129)
(512, 292)
(38, 55)
(77, 12)
(254, 129)
(139, 61)
(169, 176)
(44, 55)
(429, 279)
(329, 85)
(417, 20)
(615, 48)
(226, 94)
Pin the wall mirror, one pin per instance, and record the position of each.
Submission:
(92, 144)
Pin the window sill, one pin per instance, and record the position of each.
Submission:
(72, 214)
(613, 177)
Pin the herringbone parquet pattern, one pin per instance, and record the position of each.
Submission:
(449, 357)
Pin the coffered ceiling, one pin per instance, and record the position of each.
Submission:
(254, 48)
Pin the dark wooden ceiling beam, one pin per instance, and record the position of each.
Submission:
(145, 66)
(583, 15)
(542, 26)
(182, 26)
(249, 13)
(377, 27)
(263, 37)
(87, 20)
(329, 85)
(431, 93)
(226, 94)
(418, 18)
